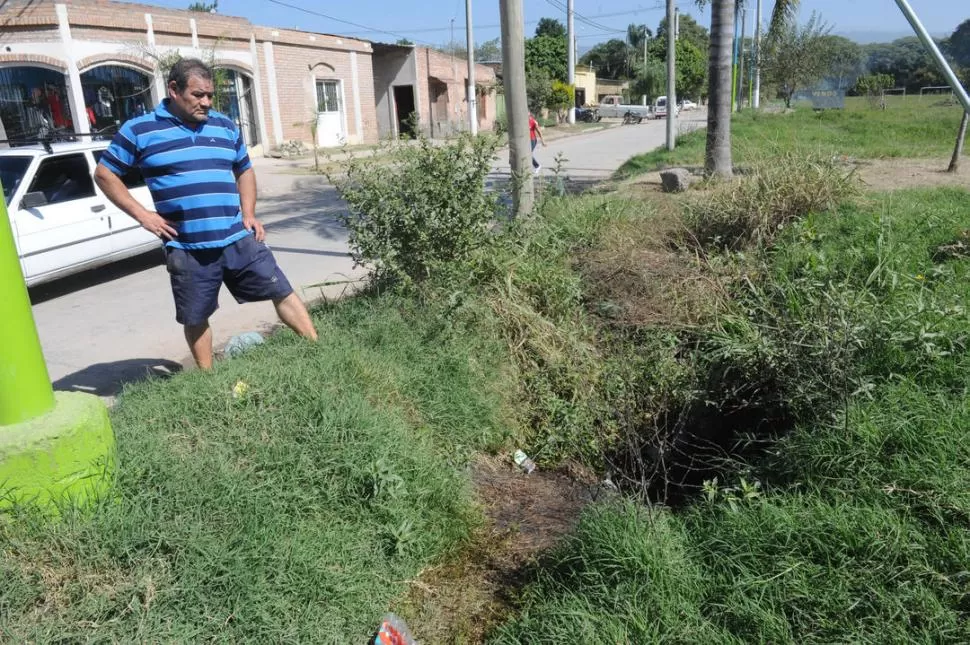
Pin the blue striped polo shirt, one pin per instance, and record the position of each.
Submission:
(191, 173)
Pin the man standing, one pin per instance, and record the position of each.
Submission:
(204, 188)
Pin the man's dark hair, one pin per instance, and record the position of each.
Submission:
(186, 67)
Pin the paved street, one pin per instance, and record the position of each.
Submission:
(117, 324)
(595, 156)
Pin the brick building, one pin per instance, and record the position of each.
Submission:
(89, 65)
(433, 87)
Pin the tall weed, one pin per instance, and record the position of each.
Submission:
(751, 210)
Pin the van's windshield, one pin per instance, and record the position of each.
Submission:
(12, 169)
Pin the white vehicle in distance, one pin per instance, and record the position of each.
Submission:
(687, 105)
(612, 107)
(659, 109)
(62, 223)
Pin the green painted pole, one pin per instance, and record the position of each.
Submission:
(25, 387)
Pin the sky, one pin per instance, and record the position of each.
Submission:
(434, 21)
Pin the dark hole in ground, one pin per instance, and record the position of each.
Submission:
(669, 461)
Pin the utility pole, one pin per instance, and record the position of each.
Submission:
(571, 57)
(934, 51)
(756, 95)
(516, 106)
(472, 94)
(751, 67)
(671, 75)
(744, 17)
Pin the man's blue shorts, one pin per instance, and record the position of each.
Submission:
(247, 268)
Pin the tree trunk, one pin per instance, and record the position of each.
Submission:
(958, 151)
(718, 156)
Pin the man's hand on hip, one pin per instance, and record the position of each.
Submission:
(252, 224)
(157, 225)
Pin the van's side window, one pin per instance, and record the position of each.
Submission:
(63, 178)
(132, 180)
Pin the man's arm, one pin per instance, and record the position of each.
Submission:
(115, 190)
(246, 183)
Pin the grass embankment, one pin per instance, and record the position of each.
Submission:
(855, 526)
(294, 513)
(909, 127)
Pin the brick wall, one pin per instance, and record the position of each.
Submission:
(453, 72)
(27, 13)
(368, 98)
(296, 84)
(12, 36)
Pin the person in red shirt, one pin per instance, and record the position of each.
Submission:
(535, 134)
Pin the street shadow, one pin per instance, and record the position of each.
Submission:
(319, 207)
(568, 182)
(290, 249)
(93, 277)
(108, 379)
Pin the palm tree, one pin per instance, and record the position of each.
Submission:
(717, 159)
(636, 38)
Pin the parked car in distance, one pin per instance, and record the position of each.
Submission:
(688, 105)
(659, 110)
(612, 107)
(62, 223)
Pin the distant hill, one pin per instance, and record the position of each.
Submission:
(866, 37)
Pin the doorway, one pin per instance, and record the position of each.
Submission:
(329, 114)
(404, 111)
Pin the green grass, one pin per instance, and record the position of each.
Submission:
(855, 527)
(295, 513)
(910, 127)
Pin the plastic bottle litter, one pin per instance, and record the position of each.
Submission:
(240, 343)
(393, 631)
(522, 461)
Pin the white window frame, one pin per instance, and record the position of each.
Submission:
(321, 84)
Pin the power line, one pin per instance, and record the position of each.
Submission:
(588, 21)
(583, 19)
(340, 20)
(428, 30)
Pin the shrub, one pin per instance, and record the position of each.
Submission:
(560, 99)
(754, 208)
(420, 209)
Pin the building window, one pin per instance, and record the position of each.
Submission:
(113, 94)
(30, 97)
(234, 98)
(328, 96)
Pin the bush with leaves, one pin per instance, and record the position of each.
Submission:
(873, 86)
(419, 210)
(538, 89)
(561, 98)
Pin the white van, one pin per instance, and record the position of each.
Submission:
(62, 223)
(660, 108)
